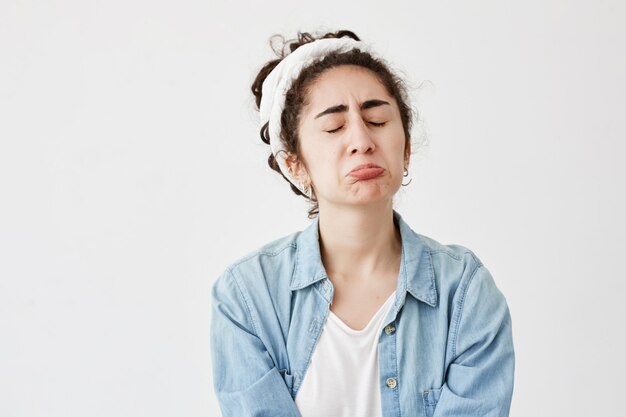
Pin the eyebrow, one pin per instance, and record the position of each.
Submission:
(340, 108)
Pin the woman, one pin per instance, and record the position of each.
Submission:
(357, 315)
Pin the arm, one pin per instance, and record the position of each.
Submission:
(479, 381)
(245, 379)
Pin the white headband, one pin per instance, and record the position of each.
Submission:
(279, 81)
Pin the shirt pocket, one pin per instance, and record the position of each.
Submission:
(430, 397)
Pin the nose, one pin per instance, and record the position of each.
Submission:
(360, 138)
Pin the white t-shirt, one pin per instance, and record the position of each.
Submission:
(342, 379)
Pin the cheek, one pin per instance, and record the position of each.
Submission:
(325, 164)
(316, 159)
(399, 148)
(324, 167)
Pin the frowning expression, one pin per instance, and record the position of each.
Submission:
(352, 141)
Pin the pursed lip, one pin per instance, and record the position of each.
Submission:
(363, 166)
(366, 172)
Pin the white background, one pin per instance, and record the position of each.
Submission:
(132, 174)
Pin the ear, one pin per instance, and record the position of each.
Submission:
(297, 168)
(407, 154)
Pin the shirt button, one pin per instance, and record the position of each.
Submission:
(390, 329)
(391, 383)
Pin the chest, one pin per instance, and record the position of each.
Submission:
(413, 342)
(355, 305)
(343, 376)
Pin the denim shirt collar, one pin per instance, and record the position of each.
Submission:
(416, 269)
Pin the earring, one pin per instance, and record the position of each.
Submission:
(306, 189)
(406, 174)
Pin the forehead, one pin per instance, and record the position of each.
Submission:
(339, 84)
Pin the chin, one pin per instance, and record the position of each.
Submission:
(372, 192)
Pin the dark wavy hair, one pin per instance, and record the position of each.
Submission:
(296, 97)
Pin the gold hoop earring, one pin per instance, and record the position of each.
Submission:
(406, 174)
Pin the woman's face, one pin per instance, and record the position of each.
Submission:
(352, 142)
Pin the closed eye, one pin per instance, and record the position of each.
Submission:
(375, 124)
(334, 130)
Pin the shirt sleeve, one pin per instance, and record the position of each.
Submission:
(245, 379)
(479, 381)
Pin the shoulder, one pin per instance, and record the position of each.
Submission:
(457, 269)
(450, 255)
(277, 248)
(464, 281)
(254, 289)
(268, 265)
(466, 290)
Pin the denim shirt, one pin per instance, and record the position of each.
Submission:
(446, 348)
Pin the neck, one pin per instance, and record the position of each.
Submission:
(357, 243)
